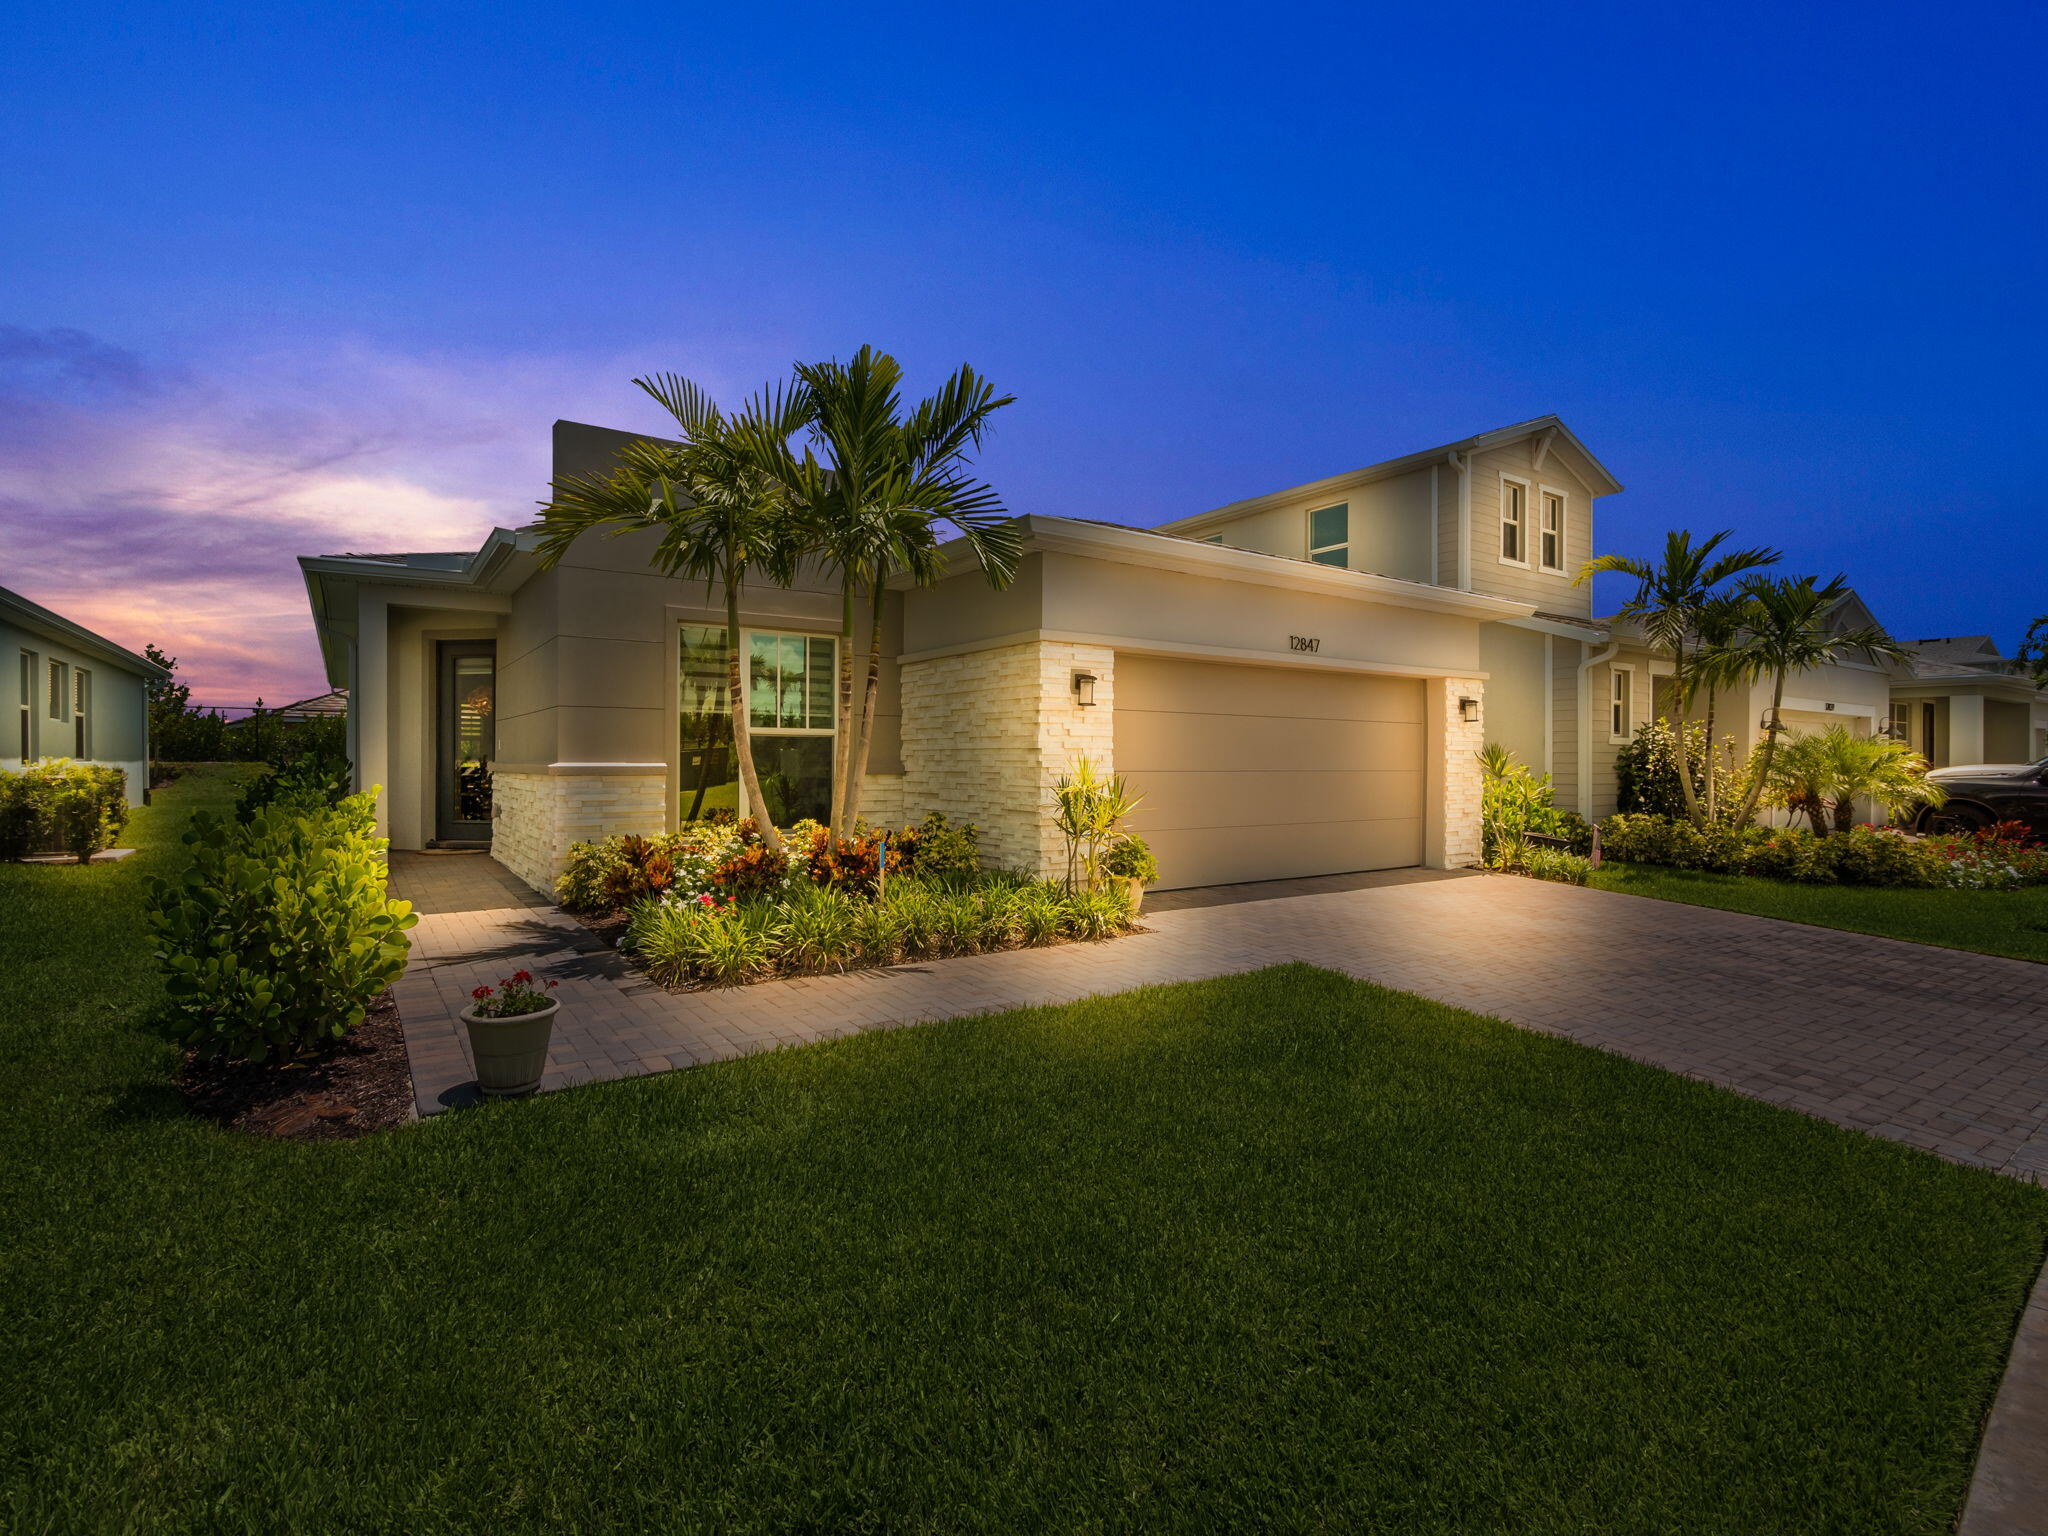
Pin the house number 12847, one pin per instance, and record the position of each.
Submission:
(1304, 643)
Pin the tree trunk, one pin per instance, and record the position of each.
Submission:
(1763, 767)
(1680, 739)
(857, 769)
(1713, 778)
(1845, 813)
(742, 732)
(842, 743)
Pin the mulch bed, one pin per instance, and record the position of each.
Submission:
(356, 1086)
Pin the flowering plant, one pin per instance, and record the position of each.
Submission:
(517, 994)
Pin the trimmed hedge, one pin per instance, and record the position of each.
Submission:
(78, 807)
(1877, 856)
(278, 933)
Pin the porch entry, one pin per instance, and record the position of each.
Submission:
(466, 740)
(789, 681)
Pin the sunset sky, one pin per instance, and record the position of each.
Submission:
(317, 279)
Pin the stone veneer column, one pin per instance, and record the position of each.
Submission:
(1451, 820)
(986, 733)
(538, 815)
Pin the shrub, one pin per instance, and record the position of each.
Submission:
(1879, 856)
(1646, 770)
(309, 781)
(2000, 857)
(852, 864)
(1551, 864)
(26, 802)
(78, 807)
(726, 942)
(1788, 853)
(1098, 914)
(816, 931)
(754, 870)
(278, 934)
(935, 846)
(1515, 805)
(1130, 858)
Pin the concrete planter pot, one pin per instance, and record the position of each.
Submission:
(1135, 889)
(511, 1053)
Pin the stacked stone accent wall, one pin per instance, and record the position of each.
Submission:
(538, 815)
(985, 734)
(1461, 776)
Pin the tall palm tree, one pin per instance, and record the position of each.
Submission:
(1716, 664)
(1669, 599)
(876, 498)
(1786, 630)
(722, 521)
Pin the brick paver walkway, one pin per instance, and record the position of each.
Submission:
(1940, 1049)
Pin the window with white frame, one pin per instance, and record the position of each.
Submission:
(28, 706)
(1550, 533)
(60, 689)
(1329, 534)
(81, 715)
(1621, 683)
(1514, 522)
(790, 686)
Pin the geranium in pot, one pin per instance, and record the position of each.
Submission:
(1129, 860)
(509, 1029)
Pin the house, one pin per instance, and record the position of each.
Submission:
(1296, 683)
(1960, 703)
(67, 692)
(331, 705)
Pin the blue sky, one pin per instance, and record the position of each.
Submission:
(275, 282)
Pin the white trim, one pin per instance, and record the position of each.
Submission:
(1830, 707)
(1178, 648)
(1564, 524)
(1520, 525)
(1625, 669)
(1436, 553)
(1564, 629)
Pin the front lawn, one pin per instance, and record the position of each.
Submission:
(1991, 922)
(1278, 1252)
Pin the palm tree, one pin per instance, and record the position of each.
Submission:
(1802, 779)
(877, 504)
(721, 520)
(1669, 600)
(1717, 663)
(1786, 630)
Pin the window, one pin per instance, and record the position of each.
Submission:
(81, 715)
(1550, 552)
(1514, 516)
(60, 688)
(1329, 535)
(1621, 682)
(790, 687)
(28, 706)
(1214, 538)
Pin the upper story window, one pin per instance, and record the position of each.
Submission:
(1550, 533)
(1514, 522)
(28, 706)
(1329, 534)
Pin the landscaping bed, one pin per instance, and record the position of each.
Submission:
(359, 1084)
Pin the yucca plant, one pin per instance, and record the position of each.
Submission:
(1089, 809)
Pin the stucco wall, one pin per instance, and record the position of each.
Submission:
(1389, 524)
(120, 718)
(1515, 662)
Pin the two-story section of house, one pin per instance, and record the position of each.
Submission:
(1506, 514)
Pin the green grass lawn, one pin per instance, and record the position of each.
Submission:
(1282, 1252)
(1991, 922)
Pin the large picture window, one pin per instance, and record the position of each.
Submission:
(789, 685)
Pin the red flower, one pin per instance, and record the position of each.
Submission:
(481, 993)
(707, 900)
(522, 975)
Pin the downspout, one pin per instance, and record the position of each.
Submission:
(1464, 468)
(1436, 548)
(1586, 724)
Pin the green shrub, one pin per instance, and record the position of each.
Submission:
(1130, 858)
(1098, 914)
(309, 781)
(78, 807)
(727, 943)
(1790, 853)
(26, 802)
(1551, 864)
(1879, 856)
(816, 931)
(935, 846)
(1041, 914)
(278, 934)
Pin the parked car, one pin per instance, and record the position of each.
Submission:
(1986, 792)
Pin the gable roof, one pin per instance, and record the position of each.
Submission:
(1598, 476)
(40, 620)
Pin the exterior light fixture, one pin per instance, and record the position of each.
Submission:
(1084, 688)
(1468, 711)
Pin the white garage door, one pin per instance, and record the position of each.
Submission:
(1268, 773)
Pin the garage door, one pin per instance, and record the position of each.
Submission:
(1268, 773)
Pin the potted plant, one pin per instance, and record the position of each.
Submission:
(1131, 861)
(509, 1028)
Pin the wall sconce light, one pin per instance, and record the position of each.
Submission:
(1084, 688)
(1468, 711)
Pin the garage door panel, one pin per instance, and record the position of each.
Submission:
(1152, 741)
(1179, 800)
(1269, 773)
(1223, 856)
(1201, 687)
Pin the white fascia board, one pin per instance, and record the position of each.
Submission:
(1592, 632)
(1597, 476)
(1142, 547)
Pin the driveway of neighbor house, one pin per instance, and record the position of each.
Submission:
(1936, 1048)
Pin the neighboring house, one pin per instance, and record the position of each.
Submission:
(1962, 703)
(1296, 683)
(322, 706)
(67, 692)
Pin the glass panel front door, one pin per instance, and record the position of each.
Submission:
(468, 740)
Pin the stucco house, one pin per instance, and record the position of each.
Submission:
(67, 692)
(1296, 683)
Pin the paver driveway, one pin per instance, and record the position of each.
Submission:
(1941, 1049)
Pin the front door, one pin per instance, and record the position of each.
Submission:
(466, 740)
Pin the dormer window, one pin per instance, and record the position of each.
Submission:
(1329, 535)
(1514, 522)
(1550, 533)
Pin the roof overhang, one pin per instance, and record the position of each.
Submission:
(1165, 551)
(1553, 431)
(35, 616)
